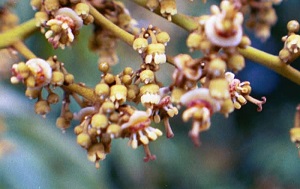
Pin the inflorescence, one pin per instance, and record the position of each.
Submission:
(200, 87)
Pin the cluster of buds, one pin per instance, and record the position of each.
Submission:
(103, 41)
(112, 117)
(152, 53)
(35, 73)
(61, 24)
(202, 86)
(220, 30)
(291, 42)
(219, 92)
(167, 7)
(262, 16)
(38, 74)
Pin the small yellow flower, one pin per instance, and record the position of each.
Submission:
(139, 130)
(155, 53)
(200, 106)
(150, 94)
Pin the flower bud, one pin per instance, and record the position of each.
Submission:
(42, 107)
(102, 90)
(99, 121)
(140, 44)
(62, 123)
(57, 78)
(163, 37)
(84, 140)
(52, 98)
(147, 76)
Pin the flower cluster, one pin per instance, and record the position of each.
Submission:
(59, 23)
(131, 103)
(112, 117)
(219, 91)
(167, 7)
(38, 74)
(262, 16)
(153, 53)
(291, 42)
(103, 41)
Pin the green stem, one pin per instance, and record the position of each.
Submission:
(272, 62)
(117, 31)
(19, 33)
(85, 92)
(184, 21)
(24, 50)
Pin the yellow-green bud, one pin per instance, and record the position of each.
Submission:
(147, 76)
(82, 9)
(285, 55)
(140, 44)
(88, 20)
(227, 107)
(99, 121)
(176, 95)
(62, 123)
(52, 98)
(68, 115)
(109, 78)
(78, 129)
(127, 79)
(69, 78)
(128, 71)
(108, 107)
(293, 26)
(84, 140)
(103, 67)
(236, 62)
(295, 134)
(217, 67)
(163, 37)
(245, 42)
(57, 78)
(114, 129)
(193, 41)
(42, 107)
(32, 93)
(30, 81)
(36, 4)
(51, 5)
(219, 88)
(118, 93)
(102, 90)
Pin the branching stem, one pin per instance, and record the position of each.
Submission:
(18, 33)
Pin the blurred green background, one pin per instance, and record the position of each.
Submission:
(246, 150)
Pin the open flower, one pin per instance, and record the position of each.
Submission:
(224, 27)
(35, 73)
(200, 106)
(156, 53)
(63, 27)
(240, 92)
(186, 67)
(139, 131)
(163, 111)
(150, 95)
